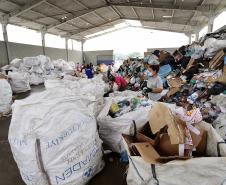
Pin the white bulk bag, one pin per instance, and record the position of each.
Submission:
(36, 69)
(36, 79)
(5, 96)
(196, 171)
(19, 81)
(220, 125)
(87, 90)
(111, 129)
(16, 62)
(126, 93)
(46, 63)
(31, 61)
(53, 138)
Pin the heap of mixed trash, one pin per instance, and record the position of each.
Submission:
(193, 77)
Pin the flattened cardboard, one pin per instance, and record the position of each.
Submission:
(175, 82)
(147, 152)
(159, 117)
(191, 62)
(201, 148)
(142, 138)
(221, 79)
(165, 148)
(172, 91)
(200, 141)
(217, 60)
(163, 55)
(147, 53)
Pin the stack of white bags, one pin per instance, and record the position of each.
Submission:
(5, 97)
(34, 70)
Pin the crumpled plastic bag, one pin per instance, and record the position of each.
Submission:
(213, 45)
(191, 117)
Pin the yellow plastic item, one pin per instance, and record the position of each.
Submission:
(114, 108)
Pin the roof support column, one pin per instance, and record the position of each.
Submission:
(66, 47)
(189, 37)
(210, 25)
(43, 33)
(82, 48)
(196, 35)
(6, 43)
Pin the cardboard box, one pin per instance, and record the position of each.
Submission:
(217, 60)
(147, 152)
(150, 155)
(161, 116)
(172, 91)
(175, 82)
(163, 55)
(221, 79)
(191, 62)
(200, 141)
(147, 53)
(168, 138)
(164, 151)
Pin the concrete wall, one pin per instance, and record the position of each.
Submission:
(92, 56)
(170, 50)
(17, 50)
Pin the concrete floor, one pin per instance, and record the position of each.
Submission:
(112, 174)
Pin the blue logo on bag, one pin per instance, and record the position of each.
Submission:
(87, 172)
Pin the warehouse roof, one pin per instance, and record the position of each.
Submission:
(84, 19)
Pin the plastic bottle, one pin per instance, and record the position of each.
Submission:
(191, 99)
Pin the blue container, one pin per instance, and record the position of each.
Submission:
(164, 71)
(225, 60)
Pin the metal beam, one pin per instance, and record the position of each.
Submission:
(71, 17)
(96, 26)
(5, 36)
(25, 8)
(82, 30)
(165, 7)
(82, 48)
(87, 22)
(57, 7)
(43, 42)
(66, 48)
(193, 15)
(134, 11)
(153, 14)
(202, 2)
(100, 16)
(160, 29)
(175, 21)
(117, 29)
(41, 14)
(171, 22)
(114, 9)
(81, 4)
(45, 16)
